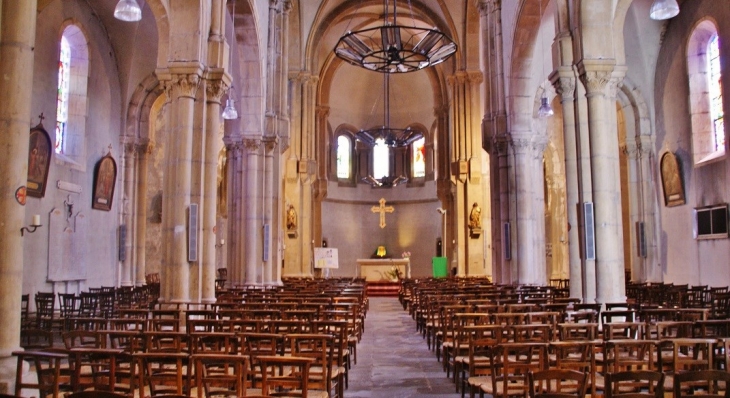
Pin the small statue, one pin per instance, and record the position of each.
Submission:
(291, 218)
(475, 217)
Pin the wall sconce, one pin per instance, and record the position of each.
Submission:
(33, 225)
(222, 242)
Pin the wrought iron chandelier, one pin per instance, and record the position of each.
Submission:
(393, 48)
(385, 182)
(393, 137)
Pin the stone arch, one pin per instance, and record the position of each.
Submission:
(247, 69)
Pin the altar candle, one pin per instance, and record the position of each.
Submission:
(36, 219)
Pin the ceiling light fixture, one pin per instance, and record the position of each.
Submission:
(230, 112)
(664, 9)
(545, 110)
(395, 138)
(128, 10)
(385, 182)
(393, 48)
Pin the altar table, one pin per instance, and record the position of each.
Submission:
(374, 269)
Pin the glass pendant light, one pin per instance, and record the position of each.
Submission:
(128, 10)
(229, 112)
(664, 9)
(545, 109)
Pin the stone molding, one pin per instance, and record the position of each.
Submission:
(529, 146)
(269, 143)
(185, 85)
(595, 81)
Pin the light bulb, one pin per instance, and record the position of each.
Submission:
(229, 112)
(664, 9)
(545, 109)
(128, 10)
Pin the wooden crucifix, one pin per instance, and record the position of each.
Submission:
(382, 209)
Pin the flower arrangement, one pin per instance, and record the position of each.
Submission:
(406, 254)
(393, 274)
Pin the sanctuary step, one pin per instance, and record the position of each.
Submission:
(383, 289)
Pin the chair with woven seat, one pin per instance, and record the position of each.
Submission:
(222, 375)
(634, 384)
(706, 381)
(556, 383)
(480, 366)
(44, 304)
(163, 373)
(323, 376)
(512, 363)
(287, 376)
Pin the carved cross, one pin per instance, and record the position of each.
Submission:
(382, 209)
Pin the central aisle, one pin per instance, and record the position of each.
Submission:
(392, 358)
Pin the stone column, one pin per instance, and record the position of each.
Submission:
(184, 88)
(252, 225)
(596, 75)
(128, 211)
(268, 203)
(17, 38)
(564, 82)
(214, 90)
(530, 208)
(144, 149)
(236, 209)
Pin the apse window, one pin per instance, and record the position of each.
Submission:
(419, 158)
(705, 87)
(344, 150)
(71, 97)
(381, 159)
(711, 222)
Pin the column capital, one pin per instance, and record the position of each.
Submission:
(563, 80)
(214, 90)
(269, 142)
(595, 74)
(322, 111)
(475, 77)
(185, 85)
(144, 147)
(251, 145)
(534, 145)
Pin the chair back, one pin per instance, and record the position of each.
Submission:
(556, 383)
(707, 381)
(634, 384)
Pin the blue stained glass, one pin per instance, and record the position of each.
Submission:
(64, 78)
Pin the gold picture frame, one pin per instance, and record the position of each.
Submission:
(672, 180)
(105, 178)
(39, 161)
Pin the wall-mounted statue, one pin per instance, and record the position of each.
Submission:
(291, 221)
(475, 221)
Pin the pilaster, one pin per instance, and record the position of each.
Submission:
(252, 149)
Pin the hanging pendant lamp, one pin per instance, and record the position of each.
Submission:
(664, 9)
(128, 10)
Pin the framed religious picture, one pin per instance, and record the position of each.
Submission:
(39, 160)
(105, 177)
(672, 180)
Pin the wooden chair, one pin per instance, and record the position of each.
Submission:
(221, 375)
(688, 354)
(707, 381)
(164, 373)
(323, 376)
(482, 360)
(634, 384)
(255, 345)
(287, 376)
(48, 371)
(556, 383)
(578, 355)
(44, 305)
(514, 361)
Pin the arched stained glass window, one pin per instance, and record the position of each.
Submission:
(715, 92)
(419, 158)
(64, 84)
(344, 163)
(381, 159)
(705, 94)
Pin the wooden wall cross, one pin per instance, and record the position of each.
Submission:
(382, 209)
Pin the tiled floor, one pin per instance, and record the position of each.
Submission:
(393, 360)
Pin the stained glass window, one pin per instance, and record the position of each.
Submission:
(343, 157)
(381, 159)
(715, 91)
(64, 77)
(419, 158)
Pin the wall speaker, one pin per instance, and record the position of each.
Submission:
(122, 242)
(506, 241)
(640, 239)
(590, 232)
(267, 242)
(193, 232)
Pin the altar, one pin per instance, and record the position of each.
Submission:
(375, 269)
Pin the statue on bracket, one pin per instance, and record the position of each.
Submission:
(475, 221)
(291, 221)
